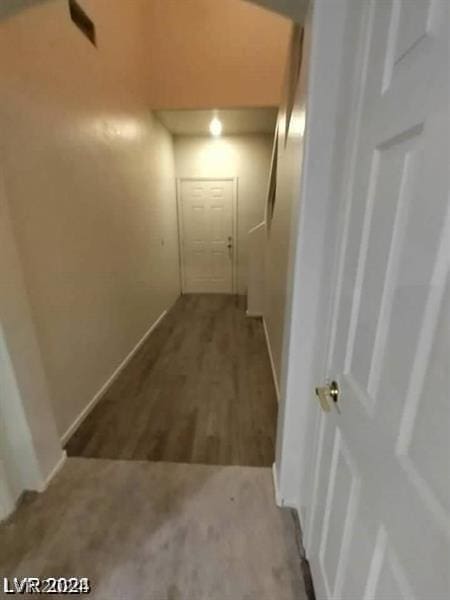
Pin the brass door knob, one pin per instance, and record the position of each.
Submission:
(328, 392)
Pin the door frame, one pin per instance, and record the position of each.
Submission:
(234, 212)
(317, 234)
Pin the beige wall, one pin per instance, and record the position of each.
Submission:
(214, 53)
(246, 157)
(280, 243)
(89, 172)
(89, 179)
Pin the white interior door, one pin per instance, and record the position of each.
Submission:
(207, 244)
(379, 524)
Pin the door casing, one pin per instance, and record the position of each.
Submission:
(318, 222)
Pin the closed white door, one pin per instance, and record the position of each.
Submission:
(379, 521)
(207, 245)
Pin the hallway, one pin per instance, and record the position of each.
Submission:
(199, 390)
(225, 299)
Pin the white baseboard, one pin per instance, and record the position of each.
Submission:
(252, 314)
(88, 408)
(7, 502)
(272, 364)
(10, 504)
(59, 465)
(278, 498)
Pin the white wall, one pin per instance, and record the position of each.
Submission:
(257, 238)
(89, 182)
(29, 443)
(246, 157)
(281, 229)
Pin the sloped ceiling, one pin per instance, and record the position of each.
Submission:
(214, 53)
(294, 9)
(190, 54)
(9, 8)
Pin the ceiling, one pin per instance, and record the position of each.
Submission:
(210, 53)
(234, 121)
(293, 9)
(10, 7)
(188, 54)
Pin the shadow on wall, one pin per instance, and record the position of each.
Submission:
(9, 8)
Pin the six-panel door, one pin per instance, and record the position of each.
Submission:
(207, 235)
(379, 526)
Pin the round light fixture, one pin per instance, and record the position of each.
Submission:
(215, 127)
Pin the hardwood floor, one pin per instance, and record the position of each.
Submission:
(200, 390)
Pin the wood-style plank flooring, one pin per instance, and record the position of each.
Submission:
(200, 390)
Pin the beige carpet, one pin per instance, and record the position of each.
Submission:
(157, 531)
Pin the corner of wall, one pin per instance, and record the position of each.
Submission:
(31, 447)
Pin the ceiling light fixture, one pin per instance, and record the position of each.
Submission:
(215, 127)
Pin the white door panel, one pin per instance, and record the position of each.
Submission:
(380, 520)
(206, 208)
